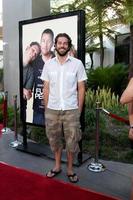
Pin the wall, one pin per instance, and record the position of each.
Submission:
(109, 51)
(13, 12)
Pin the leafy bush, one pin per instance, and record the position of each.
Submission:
(113, 134)
(1, 75)
(106, 98)
(10, 117)
(114, 77)
(38, 134)
(1, 106)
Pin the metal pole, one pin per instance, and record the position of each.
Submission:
(97, 132)
(24, 125)
(15, 117)
(16, 142)
(5, 109)
(5, 130)
(96, 166)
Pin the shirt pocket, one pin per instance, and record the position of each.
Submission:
(70, 78)
(53, 77)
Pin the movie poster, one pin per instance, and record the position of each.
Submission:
(31, 31)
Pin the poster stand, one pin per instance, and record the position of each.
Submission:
(73, 19)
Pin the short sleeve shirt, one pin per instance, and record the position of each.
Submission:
(63, 80)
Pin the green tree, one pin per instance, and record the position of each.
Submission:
(125, 13)
(97, 21)
(128, 16)
(90, 49)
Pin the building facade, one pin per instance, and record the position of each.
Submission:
(21, 10)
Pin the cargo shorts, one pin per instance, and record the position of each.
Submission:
(63, 124)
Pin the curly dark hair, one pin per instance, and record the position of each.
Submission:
(66, 36)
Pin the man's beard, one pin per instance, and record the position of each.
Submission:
(62, 53)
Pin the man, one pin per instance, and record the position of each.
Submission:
(127, 98)
(46, 44)
(30, 54)
(64, 91)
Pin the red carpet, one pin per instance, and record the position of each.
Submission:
(19, 184)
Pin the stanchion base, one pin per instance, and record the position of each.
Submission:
(6, 130)
(15, 143)
(96, 167)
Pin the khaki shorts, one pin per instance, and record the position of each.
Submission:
(63, 124)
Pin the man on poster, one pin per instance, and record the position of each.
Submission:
(30, 54)
(46, 44)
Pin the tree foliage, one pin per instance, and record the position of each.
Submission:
(98, 22)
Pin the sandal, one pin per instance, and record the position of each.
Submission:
(53, 173)
(73, 178)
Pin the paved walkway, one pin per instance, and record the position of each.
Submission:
(116, 180)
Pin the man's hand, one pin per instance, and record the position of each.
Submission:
(130, 135)
(27, 94)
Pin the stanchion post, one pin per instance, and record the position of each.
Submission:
(5, 130)
(97, 132)
(16, 142)
(5, 109)
(15, 117)
(96, 166)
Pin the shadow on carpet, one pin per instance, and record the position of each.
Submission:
(20, 184)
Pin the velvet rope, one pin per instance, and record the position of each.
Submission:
(121, 119)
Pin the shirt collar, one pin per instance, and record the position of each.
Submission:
(67, 59)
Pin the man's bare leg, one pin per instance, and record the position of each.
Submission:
(57, 167)
(70, 173)
(70, 163)
(58, 160)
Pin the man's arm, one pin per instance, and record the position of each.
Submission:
(127, 98)
(28, 77)
(81, 95)
(127, 95)
(46, 93)
(130, 114)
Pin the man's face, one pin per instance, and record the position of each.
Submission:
(46, 43)
(62, 46)
(34, 51)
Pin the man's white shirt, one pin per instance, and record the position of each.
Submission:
(63, 80)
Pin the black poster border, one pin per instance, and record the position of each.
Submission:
(80, 54)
